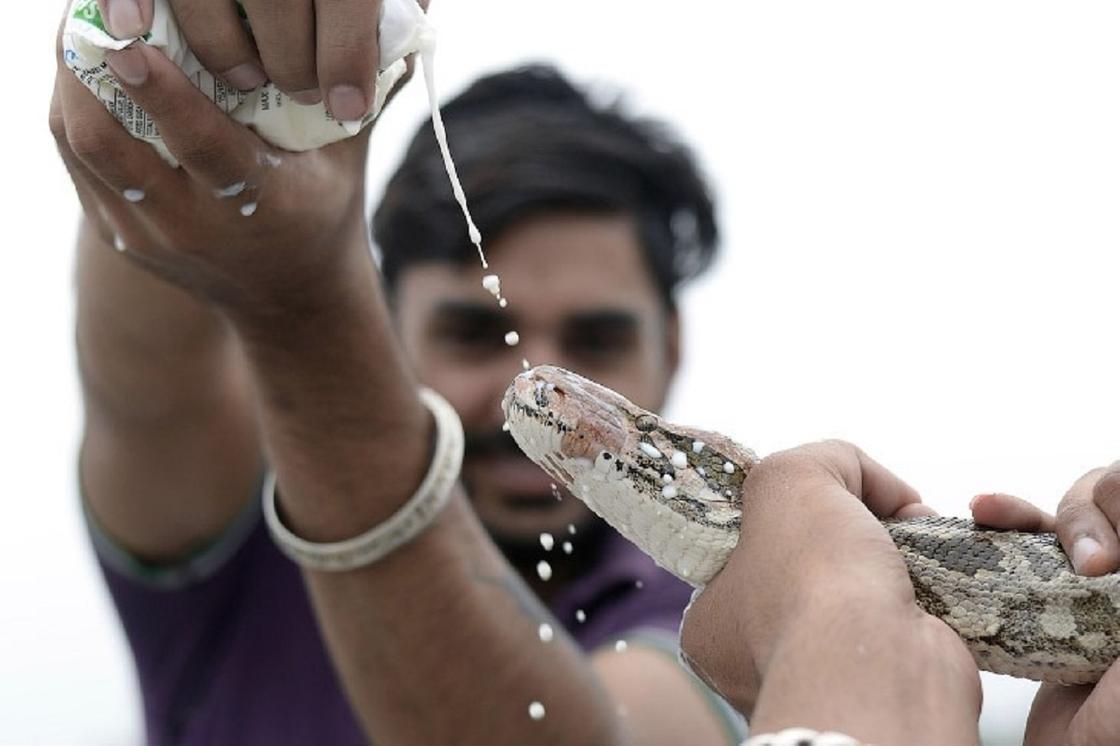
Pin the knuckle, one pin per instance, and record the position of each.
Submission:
(89, 143)
(56, 122)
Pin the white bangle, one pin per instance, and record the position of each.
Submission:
(401, 527)
(801, 737)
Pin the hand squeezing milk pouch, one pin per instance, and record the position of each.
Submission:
(403, 29)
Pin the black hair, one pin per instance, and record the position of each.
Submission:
(525, 142)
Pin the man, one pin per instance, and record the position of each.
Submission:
(211, 336)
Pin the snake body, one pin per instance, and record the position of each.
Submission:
(676, 492)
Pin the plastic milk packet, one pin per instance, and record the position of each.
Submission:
(403, 27)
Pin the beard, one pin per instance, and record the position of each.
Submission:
(525, 551)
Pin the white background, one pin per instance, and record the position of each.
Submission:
(919, 203)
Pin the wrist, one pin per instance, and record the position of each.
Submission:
(873, 670)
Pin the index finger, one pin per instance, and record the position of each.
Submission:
(1085, 531)
(347, 53)
(126, 19)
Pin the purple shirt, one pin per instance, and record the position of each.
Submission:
(228, 652)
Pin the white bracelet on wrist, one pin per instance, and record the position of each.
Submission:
(801, 737)
(401, 527)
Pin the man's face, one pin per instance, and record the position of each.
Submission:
(581, 297)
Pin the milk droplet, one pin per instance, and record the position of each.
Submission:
(697, 446)
(581, 617)
(133, 195)
(536, 710)
(572, 529)
(524, 364)
(566, 547)
(512, 338)
(493, 284)
(669, 492)
(270, 160)
(545, 632)
(505, 427)
(544, 570)
(230, 191)
(649, 450)
(620, 646)
(728, 467)
(680, 461)
(118, 243)
(666, 478)
(502, 302)
(248, 208)
(639, 584)
(547, 541)
(701, 471)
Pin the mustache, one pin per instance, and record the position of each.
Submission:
(478, 444)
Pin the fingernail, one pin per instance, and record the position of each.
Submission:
(124, 19)
(972, 502)
(310, 97)
(245, 77)
(128, 65)
(347, 103)
(1084, 550)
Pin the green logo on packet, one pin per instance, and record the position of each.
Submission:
(88, 11)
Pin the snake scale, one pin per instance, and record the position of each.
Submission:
(675, 492)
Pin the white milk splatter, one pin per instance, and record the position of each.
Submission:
(536, 710)
(697, 446)
(544, 570)
(566, 547)
(572, 529)
(581, 617)
(639, 584)
(505, 427)
(667, 478)
(669, 492)
(428, 60)
(620, 646)
(134, 195)
(512, 338)
(230, 191)
(547, 541)
(248, 208)
(649, 450)
(545, 632)
(728, 467)
(680, 461)
(118, 244)
(525, 364)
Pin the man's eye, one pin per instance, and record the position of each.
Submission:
(601, 343)
(471, 336)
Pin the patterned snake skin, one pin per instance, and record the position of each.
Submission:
(676, 493)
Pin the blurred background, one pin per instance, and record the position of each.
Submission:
(921, 233)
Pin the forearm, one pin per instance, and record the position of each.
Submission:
(170, 451)
(874, 674)
(147, 351)
(439, 641)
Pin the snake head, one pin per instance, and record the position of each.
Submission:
(554, 412)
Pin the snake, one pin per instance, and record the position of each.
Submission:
(676, 492)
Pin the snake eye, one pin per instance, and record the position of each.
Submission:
(646, 423)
